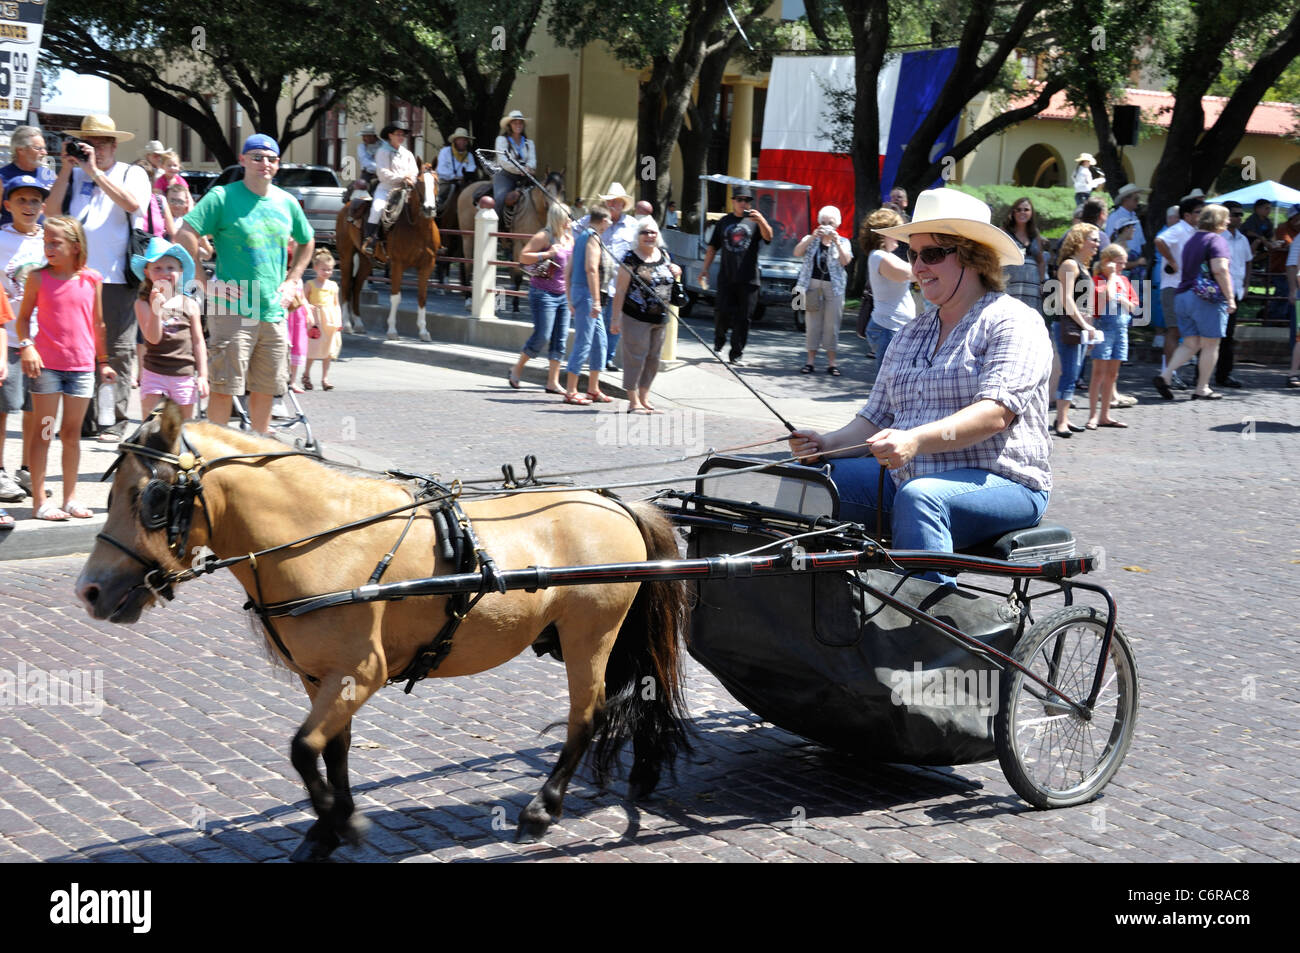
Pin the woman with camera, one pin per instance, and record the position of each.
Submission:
(822, 279)
(642, 294)
(545, 258)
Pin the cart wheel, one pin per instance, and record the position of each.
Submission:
(1049, 754)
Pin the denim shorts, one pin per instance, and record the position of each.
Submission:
(1114, 346)
(1200, 318)
(72, 383)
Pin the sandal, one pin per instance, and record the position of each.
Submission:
(1212, 395)
(51, 513)
(6, 521)
(1113, 423)
(77, 511)
(296, 389)
(834, 371)
(576, 398)
(599, 398)
(326, 385)
(306, 385)
(554, 390)
(1293, 380)
(512, 380)
(807, 369)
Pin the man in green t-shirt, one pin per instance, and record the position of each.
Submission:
(250, 222)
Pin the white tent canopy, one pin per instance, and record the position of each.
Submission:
(1270, 191)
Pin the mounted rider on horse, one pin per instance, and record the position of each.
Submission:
(517, 154)
(397, 170)
(456, 166)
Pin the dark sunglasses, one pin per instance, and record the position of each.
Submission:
(931, 256)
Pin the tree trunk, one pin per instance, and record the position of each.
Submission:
(869, 21)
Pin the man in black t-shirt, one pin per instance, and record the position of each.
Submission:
(737, 236)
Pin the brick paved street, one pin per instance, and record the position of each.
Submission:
(188, 759)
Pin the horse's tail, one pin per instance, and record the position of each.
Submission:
(644, 695)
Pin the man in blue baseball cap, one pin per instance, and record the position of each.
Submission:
(250, 222)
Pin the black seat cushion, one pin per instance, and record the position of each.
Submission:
(1045, 541)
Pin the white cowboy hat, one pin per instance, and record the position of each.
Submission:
(1127, 190)
(1193, 194)
(368, 130)
(153, 147)
(1085, 157)
(618, 193)
(952, 212)
(460, 132)
(510, 117)
(104, 127)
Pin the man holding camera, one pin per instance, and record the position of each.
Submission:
(737, 236)
(105, 196)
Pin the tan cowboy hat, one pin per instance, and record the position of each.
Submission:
(460, 132)
(951, 212)
(153, 147)
(510, 117)
(1085, 157)
(1127, 190)
(102, 126)
(618, 193)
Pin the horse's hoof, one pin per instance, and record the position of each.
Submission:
(530, 832)
(424, 336)
(313, 852)
(393, 336)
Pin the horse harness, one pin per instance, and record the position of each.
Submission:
(171, 506)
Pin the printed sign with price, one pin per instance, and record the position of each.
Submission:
(20, 45)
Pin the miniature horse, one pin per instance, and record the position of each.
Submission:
(619, 641)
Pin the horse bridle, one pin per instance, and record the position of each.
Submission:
(171, 506)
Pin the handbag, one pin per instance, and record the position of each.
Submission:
(1206, 288)
(678, 297)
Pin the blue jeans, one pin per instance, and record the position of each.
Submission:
(610, 336)
(941, 512)
(879, 338)
(588, 335)
(1071, 361)
(550, 323)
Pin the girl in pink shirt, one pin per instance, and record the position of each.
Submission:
(70, 343)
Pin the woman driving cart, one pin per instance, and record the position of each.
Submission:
(958, 413)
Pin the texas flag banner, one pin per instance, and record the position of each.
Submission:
(796, 144)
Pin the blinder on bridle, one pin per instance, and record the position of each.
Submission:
(162, 505)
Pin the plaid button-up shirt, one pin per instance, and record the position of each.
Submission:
(998, 351)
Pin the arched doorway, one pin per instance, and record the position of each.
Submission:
(1291, 177)
(1039, 167)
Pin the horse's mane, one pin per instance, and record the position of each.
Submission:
(239, 441)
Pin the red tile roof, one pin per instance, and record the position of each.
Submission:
(1268, 119)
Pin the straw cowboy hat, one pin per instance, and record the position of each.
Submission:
(1127, 190)
(104, 127)
(460, 132)
(950, 212)
(1085, 157)
(510, 117)
(368, 130)
(618, 193)
(153, 148)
